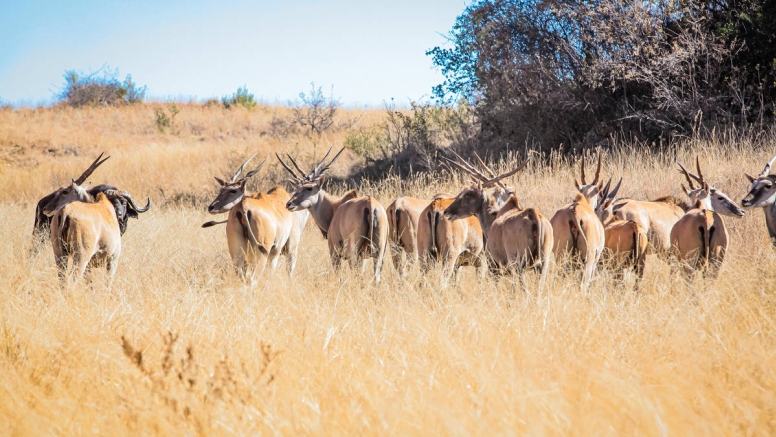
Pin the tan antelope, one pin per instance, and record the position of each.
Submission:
(41, 228)
(577, 230)
(90, 232)
(259, 228)
(762, 194)
(516, 238)
(659, 216)
(452, 244)
(403, 216)
(699, 240)
(625, 242)
(356, 228)
(405, 212)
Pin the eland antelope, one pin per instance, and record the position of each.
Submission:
(259, 228)
(90, 232)
(355, 227)
(762, 194)
(657, 217)
(40, 229)
(625, 241)
(700, 238)
(516, 238)
(452, 244)
(403, 216)
(577, 230)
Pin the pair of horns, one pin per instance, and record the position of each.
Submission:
(130, 200)
(607, 195)
(88, 172)
(489, 178)
(317, 171)
(699, 177)
(239, 171)
(597, 171)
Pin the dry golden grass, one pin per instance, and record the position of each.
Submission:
(181, 346)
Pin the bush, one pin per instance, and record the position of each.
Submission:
(101, 88)
(316, 111)
(241, 98)
(166, 123)
(576, 72)
(369, 143)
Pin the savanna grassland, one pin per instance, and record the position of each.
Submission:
(179, 345)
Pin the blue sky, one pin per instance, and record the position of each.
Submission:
(369, 51)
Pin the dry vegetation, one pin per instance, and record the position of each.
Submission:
(180, 346)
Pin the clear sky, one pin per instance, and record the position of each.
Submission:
(369, 51)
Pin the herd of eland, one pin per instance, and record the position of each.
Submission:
(483, 226)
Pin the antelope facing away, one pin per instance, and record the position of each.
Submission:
(40, 229)
(403, 216)
(90, 232)
(356, 227)
(453, 244)
(700, 237)
(625, 243)
(516, 238)
(577, 230)
(659, 216)
(259, 228)
(762, 194)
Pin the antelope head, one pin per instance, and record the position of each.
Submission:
(710, 197)
(605, 209)
(233, 190)
(125, 207)
(763, 191)
(591, 191)
(307, 185)
(66, 195)
(473, 199)
(77, 190)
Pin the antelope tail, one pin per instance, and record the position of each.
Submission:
(707, 232)
(373, 229)
(248, 231)
(396, 224)
(64, 230)
(213, 223)
(433, 219)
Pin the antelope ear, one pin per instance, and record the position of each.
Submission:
(220, 181)
(576, 184)
(686, 191)
(706, 187)
(320, 181)
(750, 177)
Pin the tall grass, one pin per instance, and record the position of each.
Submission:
(179, 345)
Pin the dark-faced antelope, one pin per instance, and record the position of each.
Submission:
(516, 238)
(577, 230)
(625, 242)
(762, 194)
(90, 232)
(699, 239)
(259, 227)
(40, 230)
(356, 227)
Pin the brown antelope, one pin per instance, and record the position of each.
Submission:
(403, 216)
(259, 228)
(625, 242)
(577, 231)
(453, 244)
(700, 237)
(90, 232)
(659, 216)
(355, 227)
(40, 229)
(762, 194)
(516, 238)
